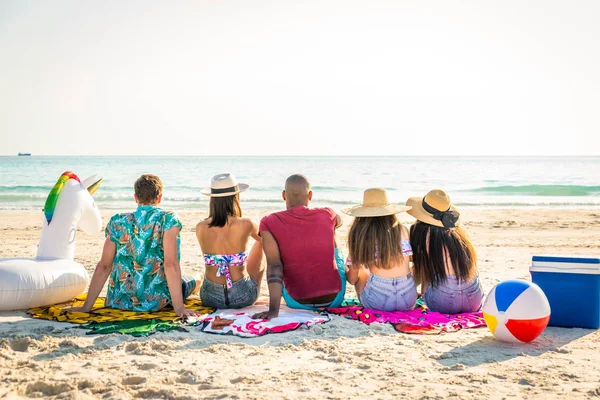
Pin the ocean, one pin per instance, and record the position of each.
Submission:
(338, 182)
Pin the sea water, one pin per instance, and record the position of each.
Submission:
(337, 182)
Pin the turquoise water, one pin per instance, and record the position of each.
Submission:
(337, 181)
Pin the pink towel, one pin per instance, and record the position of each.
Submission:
(420, 320)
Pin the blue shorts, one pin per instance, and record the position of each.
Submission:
(188, 285)
(389, 294)
(454, 297)
(337, 302)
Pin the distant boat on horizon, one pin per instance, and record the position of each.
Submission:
(24, 154)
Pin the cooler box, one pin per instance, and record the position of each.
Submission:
(572, 286)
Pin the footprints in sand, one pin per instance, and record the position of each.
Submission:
(456, 367)
(526, 382)
(44, 329)
(133, 380)
(39, 389)
(68, 344)
(594, 392)
(187, 379)
(147, 348)
(132, 347)
(147, 366)
(85, 384)
(19, 343)
(505, 224)
(245, 379)
(154, 394)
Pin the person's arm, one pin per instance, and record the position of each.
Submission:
(338, 221)
(198, 231)
(274, 276)
(100, 276)
(352, 274)
(173, 273)
(254, 232)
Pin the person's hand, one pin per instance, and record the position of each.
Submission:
(268, 315)
(83, 308)
(186, 313)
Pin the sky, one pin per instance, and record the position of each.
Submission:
(300, 78)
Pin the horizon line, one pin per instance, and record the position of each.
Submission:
(301, 155)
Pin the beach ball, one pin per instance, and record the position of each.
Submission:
(516, 311)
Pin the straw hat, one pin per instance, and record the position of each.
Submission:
(224, 185)
(375, 204)
(434, 209)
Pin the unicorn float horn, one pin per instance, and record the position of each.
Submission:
(92, 183)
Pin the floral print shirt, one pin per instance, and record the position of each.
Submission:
(137, 281)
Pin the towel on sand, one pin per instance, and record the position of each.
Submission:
(239, 322)
(105, 320)
(136, 327)
(99, 313)
(420, 320)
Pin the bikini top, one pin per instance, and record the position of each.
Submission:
(404, 245)
(223, 262)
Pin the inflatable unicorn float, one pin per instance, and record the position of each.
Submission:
(52, 276)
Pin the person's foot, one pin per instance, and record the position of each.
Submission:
(197, 288)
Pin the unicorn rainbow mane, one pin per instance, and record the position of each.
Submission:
(50, 204)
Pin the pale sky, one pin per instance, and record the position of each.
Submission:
(318, 78)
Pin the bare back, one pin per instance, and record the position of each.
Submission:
(230, 239)
(400, 269)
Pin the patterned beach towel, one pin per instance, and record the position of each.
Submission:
(136, 327)
(99, 313)
(420, 320)
(239, 322)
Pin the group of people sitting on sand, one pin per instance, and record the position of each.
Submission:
(304, 264)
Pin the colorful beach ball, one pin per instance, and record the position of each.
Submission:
(516, 311)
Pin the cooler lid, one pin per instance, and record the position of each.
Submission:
(566, 264)
(567, 259)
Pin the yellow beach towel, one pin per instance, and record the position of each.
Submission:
(99, 313)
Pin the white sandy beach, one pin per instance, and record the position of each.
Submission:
(340, 359)
(496, 103)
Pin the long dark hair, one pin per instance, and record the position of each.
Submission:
(370, 234)
(433, 245)
(221, 208)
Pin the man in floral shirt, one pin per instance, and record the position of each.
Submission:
(141, 257)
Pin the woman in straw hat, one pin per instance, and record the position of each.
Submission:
(444, 258)
(232, 278)
(379, 254)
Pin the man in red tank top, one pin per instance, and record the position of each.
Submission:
(303, 264)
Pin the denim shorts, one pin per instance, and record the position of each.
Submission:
(454, 297)
(389, 294)
(243, 293)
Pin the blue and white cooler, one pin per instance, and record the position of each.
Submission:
(572, 286)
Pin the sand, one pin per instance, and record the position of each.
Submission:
(340, 359)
